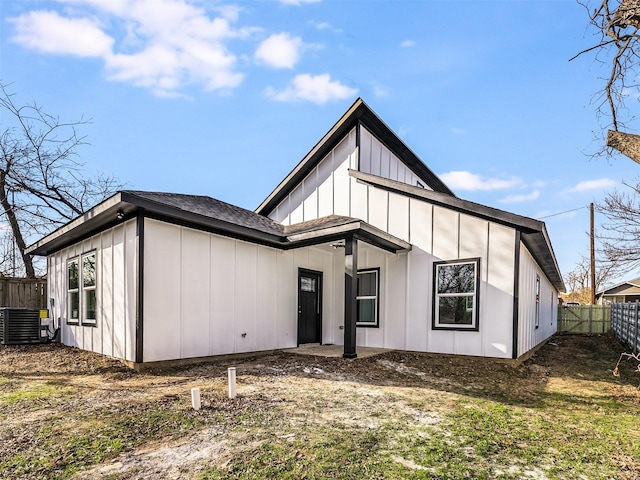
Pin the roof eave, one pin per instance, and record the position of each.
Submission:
(344, 124)
(356, 228)
(111, 204)
(534, 232)
(104, 215)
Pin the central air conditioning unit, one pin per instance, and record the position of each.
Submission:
(20, 326)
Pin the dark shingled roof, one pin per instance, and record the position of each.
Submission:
(212, 215)
(212, 208)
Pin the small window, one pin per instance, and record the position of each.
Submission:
(81, 290)
(89, 289)
(368, 298)
(307, 284)
(73, 293)
(419, 184)
(455, 303)
(537, 300)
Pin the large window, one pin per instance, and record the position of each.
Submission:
(456, 295)
(368, 297)
(81, 290)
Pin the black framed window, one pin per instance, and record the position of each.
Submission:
(73, 291)
(455, 300)
(537, 300)
(368, 297)
(81, 290)
(89, 289)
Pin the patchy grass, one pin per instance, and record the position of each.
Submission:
(400, 415)
(32, 395)
(67, 444)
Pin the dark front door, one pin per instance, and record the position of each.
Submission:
(309, 306)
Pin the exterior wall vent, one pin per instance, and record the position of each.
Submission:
(19, 326)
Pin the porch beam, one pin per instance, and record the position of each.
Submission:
(350, 293)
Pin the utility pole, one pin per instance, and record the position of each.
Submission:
(592, 255)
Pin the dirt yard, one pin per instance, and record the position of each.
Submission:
(66, 413)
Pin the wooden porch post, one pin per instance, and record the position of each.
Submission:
(350, 292)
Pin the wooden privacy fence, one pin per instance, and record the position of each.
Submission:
(625, 323)
(587, 319)
(23, 293)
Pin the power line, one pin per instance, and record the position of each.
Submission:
(561, 213)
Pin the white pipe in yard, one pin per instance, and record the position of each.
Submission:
(231, 374)
(195, 398)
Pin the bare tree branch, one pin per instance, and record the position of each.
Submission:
(42, 180)
(620, 236)
(616, 23)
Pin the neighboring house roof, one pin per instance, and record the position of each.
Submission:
(533, 232)
(359, 112)
(215, 216)
(628, 287)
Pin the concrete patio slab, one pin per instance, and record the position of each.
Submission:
(334, 350)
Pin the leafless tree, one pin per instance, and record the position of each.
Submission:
(616, 23)
(578, 280)
(42, 181)
(620, 235)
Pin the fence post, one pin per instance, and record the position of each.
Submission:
(590, 319)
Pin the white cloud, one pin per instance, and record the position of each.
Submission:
(297, 2)
(458, 131)
(380, 90)
(461, 180)
(407, 43)
(165, 44)
(48, 32)
(312, 88)
(518, 198)
(598, 184)
(326, 26)
(404, 131)
(280, 50)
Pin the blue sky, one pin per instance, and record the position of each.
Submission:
(224, 98)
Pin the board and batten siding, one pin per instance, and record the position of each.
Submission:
(406, 280)
(406, 284)
(528, 335)
(116, 292)
(324, 191)
(377, 159)
(329, 189)
(205, 294)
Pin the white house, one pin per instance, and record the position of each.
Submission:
(360, 245)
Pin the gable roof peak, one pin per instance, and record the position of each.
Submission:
(359, 113)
